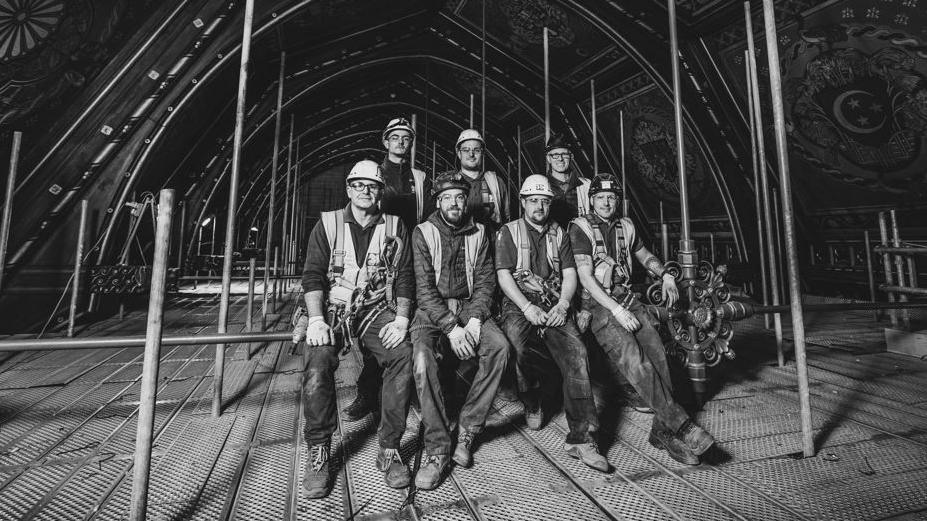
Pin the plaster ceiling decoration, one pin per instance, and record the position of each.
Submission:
(24, 24)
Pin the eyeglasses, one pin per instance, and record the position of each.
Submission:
(475, 151)
(395, 139)
(542, 201)
(605, 197)
(560, 155)
(371, 187)
(459, 198)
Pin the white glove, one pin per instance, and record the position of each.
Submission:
(319, 333)
(459, 343)
(626, 319)
(392, 334)
(473, 329)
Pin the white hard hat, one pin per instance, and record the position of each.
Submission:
(470, 133)
(398, 124)
(366, 169)
(536, 184)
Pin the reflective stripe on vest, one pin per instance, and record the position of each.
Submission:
(582, 196)
(471, 248)
(492, 181)
(418, 177)
(343, 266)
(553, 236)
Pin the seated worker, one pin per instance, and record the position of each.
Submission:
(537, 274)
(455, 282)
(604, 243)
(359, 286)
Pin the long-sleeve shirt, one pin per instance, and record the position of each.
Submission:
(479, 204)
(564, 206)
(315, 270)
(433, 294)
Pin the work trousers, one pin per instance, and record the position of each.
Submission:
(319, 398)
(641, 359)
(431, 350)
(564, 346)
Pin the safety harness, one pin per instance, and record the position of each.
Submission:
(472, 243)
(582, 196)
(610, 272)
(353, 287)
(546, 292)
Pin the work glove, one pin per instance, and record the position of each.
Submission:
(626, 319)
(534, 314)
(318, 333)
(670, 292)
(473, 329)
(392, 334)
(459, 344)
(557, 315)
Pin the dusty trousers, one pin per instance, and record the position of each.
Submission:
(319, 398)
(431, 349)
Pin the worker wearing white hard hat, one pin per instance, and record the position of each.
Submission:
(488, 198)
(537, 275)
(359, 287)
(571, 191)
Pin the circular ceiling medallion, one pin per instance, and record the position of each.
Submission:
(24, 24)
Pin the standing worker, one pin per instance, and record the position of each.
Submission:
(406, 195)
(487, 199)
(571, 192)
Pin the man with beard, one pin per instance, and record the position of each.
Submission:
(537, 273)
(571, 192)
(487, 199)
(358, 269)
(455, 283)
(604, 244)
(405, 195)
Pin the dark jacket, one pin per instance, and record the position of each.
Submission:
(563, 207)
(453, 284)
(399, 196)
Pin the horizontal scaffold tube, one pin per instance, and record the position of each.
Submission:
(902, 250)
(118, 342)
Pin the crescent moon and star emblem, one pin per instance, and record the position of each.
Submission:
(860, 112)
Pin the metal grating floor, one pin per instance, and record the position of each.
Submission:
(67, 427)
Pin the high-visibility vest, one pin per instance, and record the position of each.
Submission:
(471, 249)
(344, 269)
(600, 249)
(554, 237)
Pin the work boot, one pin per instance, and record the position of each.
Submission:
(462, 454)
(695, 437)
(316, 483)
(358, 409)
(390, 462)
(431, 472)
(665, 439)
(534, 414)
(588, 453)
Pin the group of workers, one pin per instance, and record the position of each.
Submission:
(408, 273)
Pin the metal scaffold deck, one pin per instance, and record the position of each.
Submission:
(68, 423)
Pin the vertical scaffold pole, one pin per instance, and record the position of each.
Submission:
(757, 200)
(232, 208)
(546, 86)
(788, 225)
(624, 175)
(595, 131)
(148, 395)
(870, 274)
(899, 267)
(275, 163)
(8, 202)
(78, 262)
(764, 186)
